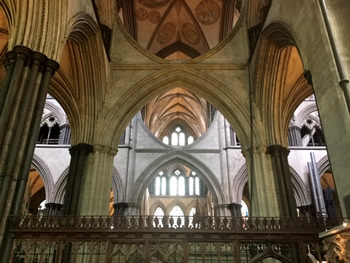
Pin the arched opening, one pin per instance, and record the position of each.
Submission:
(178, 184)
(178, 117)
(34, 199)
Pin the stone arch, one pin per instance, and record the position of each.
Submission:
(191, 205)
(45, 174)
(279, 78)
(59, 190)
(301, 193)
(299, 119)
(81, 87)
(117, 187)
(323, 165)
(54, 110)
(232, 107)
(173, 203)
(238, 184)
(164, 161)
(155, 206)
(270, 253)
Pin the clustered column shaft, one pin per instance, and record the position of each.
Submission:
(22, 100)
(283, 179)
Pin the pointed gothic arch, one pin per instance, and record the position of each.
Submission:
(148, 174)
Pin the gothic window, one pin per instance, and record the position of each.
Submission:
(160, 184)
(49, 131)
(166, 140)
(178, 137)
(177, 184)
(159, 212)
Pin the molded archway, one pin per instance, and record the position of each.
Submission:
(181, 157)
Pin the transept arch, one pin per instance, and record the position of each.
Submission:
(232, 107)
(280, 80)
(145, 178)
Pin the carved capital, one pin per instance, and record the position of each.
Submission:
(255, 150)
(105, 149)
(337, 247)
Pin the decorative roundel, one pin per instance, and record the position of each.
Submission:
(166, 33)
(154, 17)
(141, 14)
(208, 12)
(190, 33)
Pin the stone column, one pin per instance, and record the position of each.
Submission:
(294, 136)
(305, 211)
(120, 208)
(77, 169)
(64, 134)
(96, 183)
(53, 209)
(283, 179)
(235, 209)
(22, 99)
(263, 192)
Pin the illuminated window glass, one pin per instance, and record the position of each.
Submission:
(166, 140)
(190, 140)
(181, 186)
(163, 186)
(157, 187)
(191, 186)
(182, 140)
(173, 185)
(197, 186)
(174, 139)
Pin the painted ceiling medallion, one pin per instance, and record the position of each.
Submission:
(154, 3)
(190, 33)
(208, 12)
(154, 17)
(166, 33)
(141, 14)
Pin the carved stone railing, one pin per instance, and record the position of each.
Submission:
(167, 239)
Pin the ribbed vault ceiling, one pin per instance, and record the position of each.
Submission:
(177, 106)
(190, 26)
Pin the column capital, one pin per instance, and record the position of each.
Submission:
(277, 149)
(105, 149)
(83, 147)
(255, 150)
